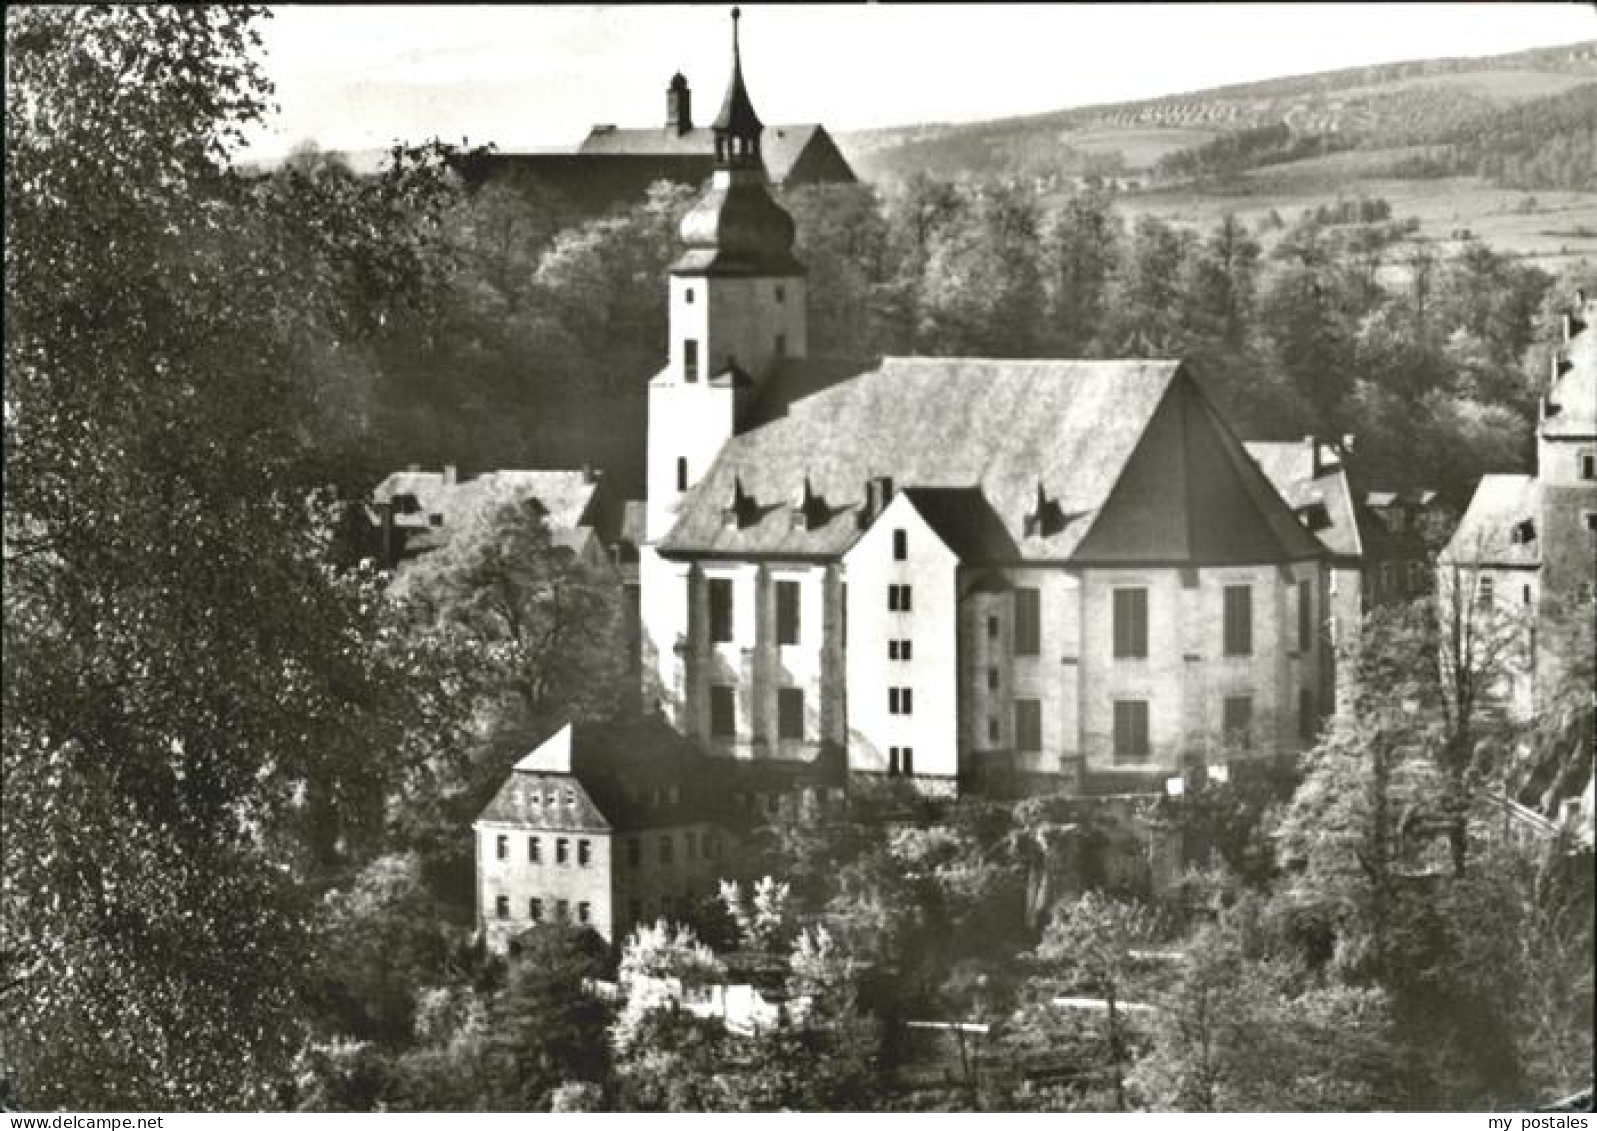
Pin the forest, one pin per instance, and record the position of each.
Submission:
(239, 766)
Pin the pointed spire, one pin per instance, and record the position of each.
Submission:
(737, 127)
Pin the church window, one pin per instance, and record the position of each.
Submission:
(790, 712)
(1028, 724)
(1238, 620)
(787, 612)
(723, 712)
(1028, 621)
(900, 545)
(1237, 721)
(682, 473)
(721, 610)
(1131, 728)
(690, 360)
(1131, 624)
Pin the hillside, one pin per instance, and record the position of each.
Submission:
(1397, 103)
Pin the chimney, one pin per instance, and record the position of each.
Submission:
(678, 105)
(878, 493)
(449, 474)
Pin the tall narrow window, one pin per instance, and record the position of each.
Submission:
(787, 612)
(535, 909)
(1305, 616)
(1588, 465)
(1238, 721)
(1028, 621)
(892, 761)
(790, 712)
(682, 473)
(502, 848)
(687, 296)
(780, 292)
(690, 360)
(900, 545)
(907, 757)
(992, 679)
(992, 628)
(1131, 728)
(1485, 590)
(1028, 724)
(562, 851)
(584, 912)
(535, 850)
(502, 906)
(1131, 624)
(1238, 620)
(723, 712)
(584, 852)
(781, 345)
(667, 850)
(1307, 723)
(720, 610)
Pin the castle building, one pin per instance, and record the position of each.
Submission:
(1377, 554)
(605, 827)
(974, 573)
(1527, 544)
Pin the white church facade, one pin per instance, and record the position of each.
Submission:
(973, 573)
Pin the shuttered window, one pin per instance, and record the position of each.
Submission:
(720, 610)
(1238, 620)
(1131, 728)
(1131, 624)
(1028, 621)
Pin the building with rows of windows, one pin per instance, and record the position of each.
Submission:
(600, 826)
(974, 573)
(1527, 544)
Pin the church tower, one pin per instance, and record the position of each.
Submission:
(737, 308)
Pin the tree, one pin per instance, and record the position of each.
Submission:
(526, 636)
(546, 1028)
(1095, 944)
(182, 661)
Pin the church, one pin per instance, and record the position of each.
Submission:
(1004, 576)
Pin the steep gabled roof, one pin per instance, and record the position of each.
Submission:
(1106, 440)
(624, 776)
(1485, 535)
(1572, 400)
(1290, 469)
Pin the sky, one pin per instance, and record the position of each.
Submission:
(362, 76)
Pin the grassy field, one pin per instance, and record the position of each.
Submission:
(1551, 229)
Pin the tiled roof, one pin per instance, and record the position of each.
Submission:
(1132, 457)
(566, 498)
(1572, 401)
(1290, 469)
(625, 776)
(780, 146)
(1485, 535)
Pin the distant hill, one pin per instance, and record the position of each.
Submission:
(1378, 106)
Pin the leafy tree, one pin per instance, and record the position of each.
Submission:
(1096, 944)
(981, 286)
(182, 664)
(546, 1028)
(1081, 253)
